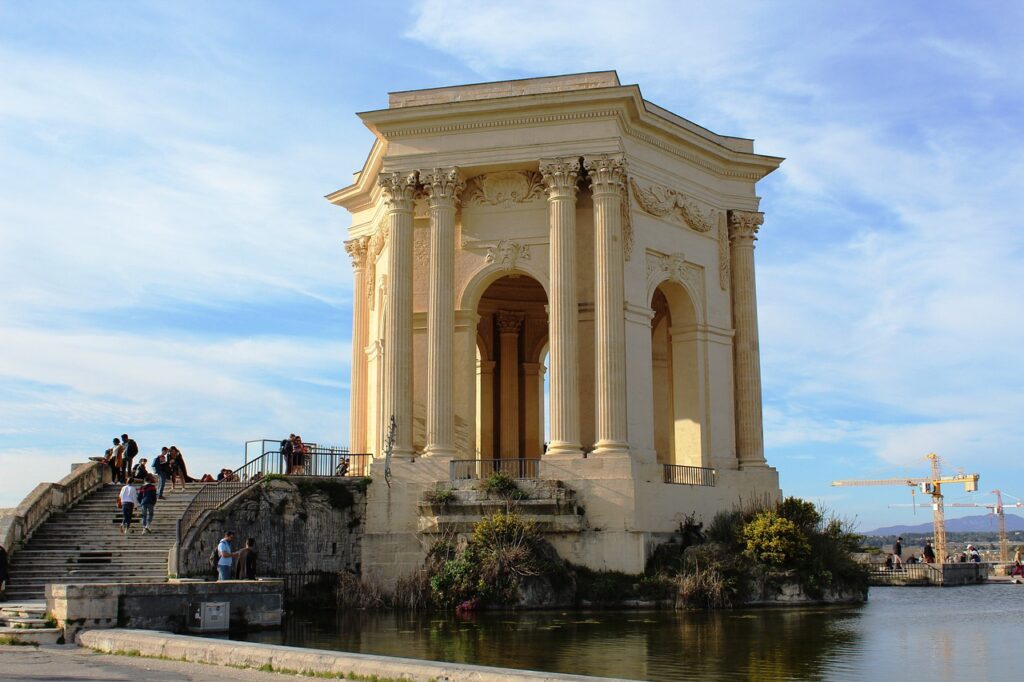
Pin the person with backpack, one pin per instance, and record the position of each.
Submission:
(286, 454)
(131, 449)
(147, 503)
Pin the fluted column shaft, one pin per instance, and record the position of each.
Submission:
(743, 226)
(607, 176)
(560, 176)
(509, 325)
(399, 189)
(357, 249)
(442, 187)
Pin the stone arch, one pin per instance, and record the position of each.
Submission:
(678, 358)
(474, 288)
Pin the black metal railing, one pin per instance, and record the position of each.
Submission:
(678, 474)
(317, 460)
(467, 469)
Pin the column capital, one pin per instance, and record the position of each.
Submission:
(443, 186)
(509, 322)
(607, 173)
(743, 225)
(358, 249)
(399, 189)
(560, 176)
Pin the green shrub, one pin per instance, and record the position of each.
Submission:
(441, 496)
(802, 513)
(775, 540)
(501, 484)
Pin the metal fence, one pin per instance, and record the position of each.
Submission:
(684, 475)
(468, 469)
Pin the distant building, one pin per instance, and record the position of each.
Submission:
(565, 226)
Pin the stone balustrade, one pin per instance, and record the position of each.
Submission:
(17, 524)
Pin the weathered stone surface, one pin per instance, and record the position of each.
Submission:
(161, 606)
(300, 526)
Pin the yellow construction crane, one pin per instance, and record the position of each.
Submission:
(998, 508)
(931, 486)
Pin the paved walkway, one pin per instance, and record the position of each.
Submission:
(66, 663)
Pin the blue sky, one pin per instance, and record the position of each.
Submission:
(169, 267)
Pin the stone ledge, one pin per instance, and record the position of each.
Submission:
(309, 661)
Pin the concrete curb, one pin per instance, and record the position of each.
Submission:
(295, 659)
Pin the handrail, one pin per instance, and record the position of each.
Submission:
(679, 474)
(465, 469)
(318, 461)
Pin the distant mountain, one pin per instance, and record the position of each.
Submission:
(965, 524)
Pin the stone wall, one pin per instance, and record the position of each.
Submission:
(161, 606)
(300, 525)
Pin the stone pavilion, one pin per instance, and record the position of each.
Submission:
(566, 233)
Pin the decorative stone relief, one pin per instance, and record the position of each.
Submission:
(507, 254)
(627, 225)
(675, 267)
(745, 224)
(560, 177)
(509, 322)
(374, 249)
(504, 188)
(399, 189)
(662, 201)
(723, 256)
(421, 248)
(357, 249)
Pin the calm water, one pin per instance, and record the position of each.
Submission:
(962, 633)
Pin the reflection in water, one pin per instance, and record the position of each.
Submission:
(951, 633)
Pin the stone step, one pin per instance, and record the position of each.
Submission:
(23, 611)
(23, 622)
(33, 636)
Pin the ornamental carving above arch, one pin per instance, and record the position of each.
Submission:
(674, 267)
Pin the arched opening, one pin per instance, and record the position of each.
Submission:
(676, 369)
(511, 344)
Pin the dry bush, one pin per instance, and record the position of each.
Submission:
(355, 593)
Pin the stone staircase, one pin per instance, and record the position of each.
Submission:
(549, 504)
(26, 622)
(83, 544)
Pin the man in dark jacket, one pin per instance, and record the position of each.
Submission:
(162, 470)
(245, 568)
(4, 576)
(147, 503)
(131, 449)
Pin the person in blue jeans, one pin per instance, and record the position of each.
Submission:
(147, 503)
(227, 557)
(127, 499)
(162, 470)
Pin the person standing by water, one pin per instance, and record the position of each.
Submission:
(126, 500)
(897, 553)
(246, 569)
(147, 504)
(928, 553)
(227, 557)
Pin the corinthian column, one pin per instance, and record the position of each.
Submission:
(399, 189)
(442, 187)
(607, 178)
(509, 325)
(560, 177)
(357, 249)
(743, 226)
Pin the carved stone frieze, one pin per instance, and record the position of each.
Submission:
(504, 188)
(627, 225)
(442, 186)
(507, 254)
(675, 267)
(375, 247)
(665, 202)
(421, 248)
(723, 256)
(607, 172)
